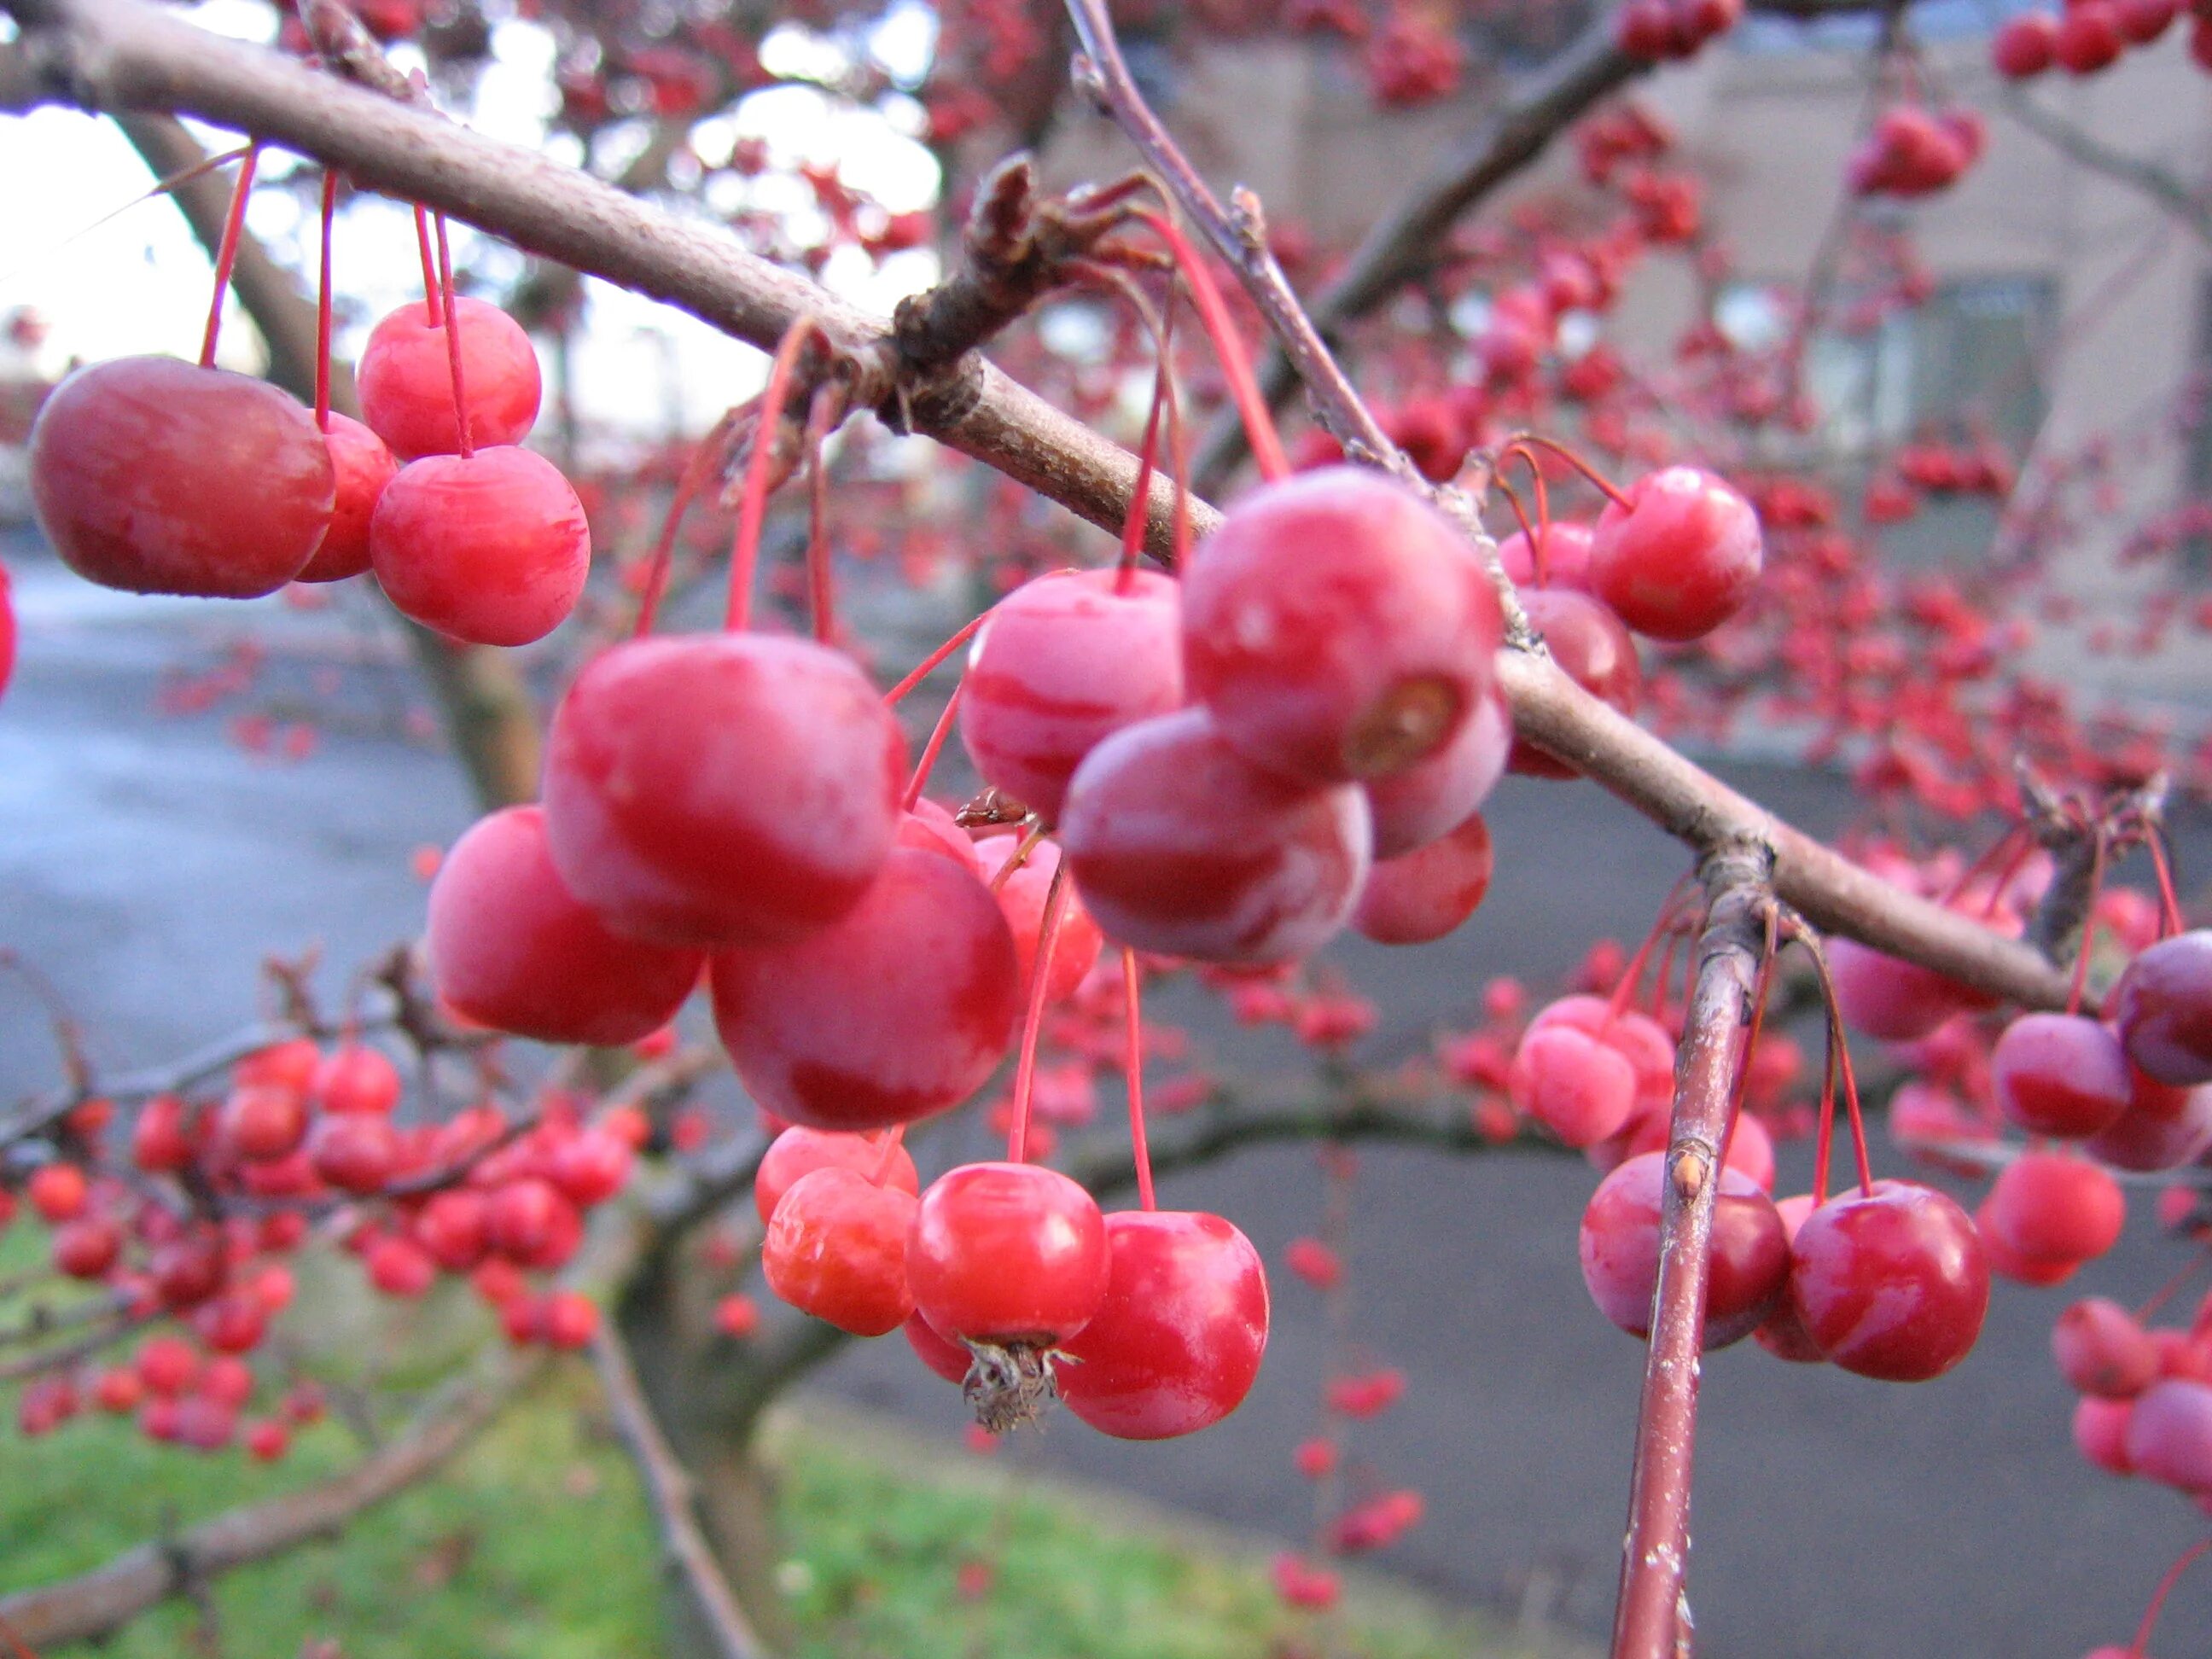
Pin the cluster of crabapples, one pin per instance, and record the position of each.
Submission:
(158, 475)
(1913, 151)
(302, 1140)
(1232, 764)
(2088, 36)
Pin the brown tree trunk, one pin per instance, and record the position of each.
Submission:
(481, 697)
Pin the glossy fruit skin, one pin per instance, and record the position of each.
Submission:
(2163, 1008)
(1338, 627)
(491, 548)
(799, 1151)
(1426, 893)
(1062, 663)
(1022, 896)
(900, 1009)
(2169, 1434)
(1572, 1084)
(511, 948)
(155, 476)
(837, 1249)
(1892, 1284)
(1007, 1252)
(1434, 797)
(1263, 871)
(722, 789)
(2163, 1128)
(1681, 558)
(1177, 1340)
(2051, 1206)
(947, 1359)
(2060, 1074)
(406, 380)
(1590, 644)
(1566, 550)
(361, 466)
(1749, 1268)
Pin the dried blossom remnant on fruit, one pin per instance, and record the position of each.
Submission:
(1010, 1386)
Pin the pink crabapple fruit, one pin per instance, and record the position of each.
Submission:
(799, 1151)
(2163, 1008)
(1890, 1284)
(837, 1249)
(491, 548)
(1680, 558)
(1424, 894)
(1431, 798)
(361, 466)
(406, 380)
(1748, 1269)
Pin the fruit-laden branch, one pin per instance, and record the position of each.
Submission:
(111, 54)
(2191, 207)
(668, 1491)
(97, 1603)
(1655, 1556)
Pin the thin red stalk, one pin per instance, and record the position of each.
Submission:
(938, 734)
(1133, 1067)
(226, 253)
(2079, 988)
(1228, 346)
(1055, 901)
(820, 597)
(1133, 525)
(2158, 1596)
(323, 305)
(2166, 1293)
(752, 504)
(1631, 974)
(1611, 491)
(2169, 921)
(688, 485)
(1760, 988)
(1539, 540)
(1824, 1137)
(433, 310)
(890, 1145)
(1988, 858)
(1520, 517)
(1840, 1053)
(1666, 972)
(2021, 856)
(1025, 844)
(927, 665)
(453, 341)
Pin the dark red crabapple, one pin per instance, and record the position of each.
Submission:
(531, 1222)
(2039, 1273)
(2026, 46)
(1177, 1340)
(1572, 1084)
(510, 948)
(288, 1065)
(2142, 21)
(361, 466)
(2169, 1437)
(2053, 1207)
(1566, 546)
(837, 1249)
(1588, 641)
(156, 476)
(257, 1123)
(162, 1138)
(355, 1078)
(1750, 1146)
(800, 1151)
(1782, 1333)
(1180, 845)
(492, 548)
(406, 380)
(58, 1191)
(947, 1359)
(1434, 797)
(1008, 1252)
(1749, 1267)
(1680, 558)
(2060, 1074)
(1338, 627)
(1022, 897)
(2163, 1008)
(2163, 1128)
(355, 1154)
(722, 789)
(589, 1167)
(1061, 663)
(453, 1227)
(1892, 1284)
(2101, 1433)
(2089, 37)
(2102, 1350)
(87, 1248)
(900, 1009)
(1426, 893)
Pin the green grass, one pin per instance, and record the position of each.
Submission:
(535, 1543)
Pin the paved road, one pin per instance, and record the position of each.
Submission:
(147, 863)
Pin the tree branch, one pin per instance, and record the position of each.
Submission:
(95, 1604)
(669, 1492)
(121, 54)
(1655, 1557)
(2190, 208)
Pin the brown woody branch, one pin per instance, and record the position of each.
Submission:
(1655, 1557)
(124, 54)
(95, 1604)
(668, 1491)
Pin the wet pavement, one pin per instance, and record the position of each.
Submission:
(148, 863)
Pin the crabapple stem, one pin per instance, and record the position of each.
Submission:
(2166, 1293)
(752, 504)
(433, 308)
(1983, 865)
(1133, 1065)
(2169, 907)
(891, 1150)
(1655, 1555)
(454, 340)
(1032, 833)
(1539, 540)
(322, 303)
(688, 486)
(1055, 902)
(1228, 346)
(821, 416)
(1520, 441)
(1839, 1065)
(930, 750)
(1633, 973)
(226, 253)
(927, 665)
(2158, 1596)
(1133, 527)
(1761, 988)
